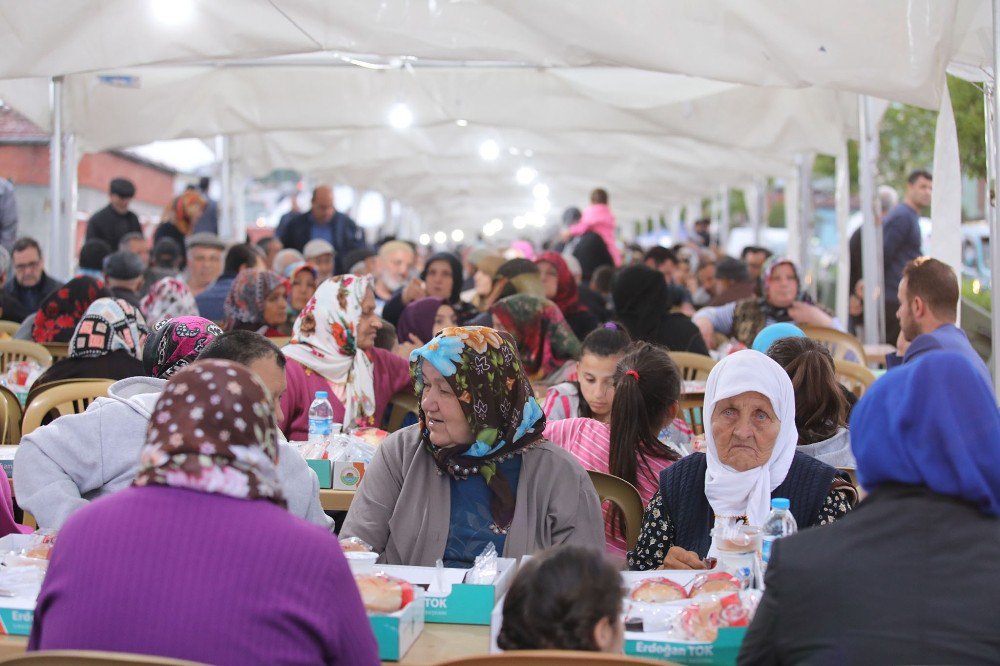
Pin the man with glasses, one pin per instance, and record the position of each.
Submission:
(30, 284)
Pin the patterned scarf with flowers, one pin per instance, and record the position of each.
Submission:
(213, 430)
(324, 340)
(484, 370)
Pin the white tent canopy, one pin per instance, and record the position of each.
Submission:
(895, 50)
(663, 138)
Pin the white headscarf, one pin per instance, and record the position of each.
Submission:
(749, 493)
(324, 339)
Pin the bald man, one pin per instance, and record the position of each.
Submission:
(324, 222)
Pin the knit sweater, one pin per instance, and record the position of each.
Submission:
(682, 486)
(148, 570)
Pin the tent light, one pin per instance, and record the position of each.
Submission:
(525, 175)
(425, 239)
(172, 12)
(440, 237)
(489, 150)
(400, 116)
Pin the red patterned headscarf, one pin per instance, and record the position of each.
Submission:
(63, 309)
(568, 293)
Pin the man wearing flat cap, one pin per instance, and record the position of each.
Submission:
(115, 220)
(124, 272)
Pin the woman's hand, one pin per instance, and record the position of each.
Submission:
(678, 558)
(805, 313)
(414, 291)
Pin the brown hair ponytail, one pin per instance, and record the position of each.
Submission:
(647, 384)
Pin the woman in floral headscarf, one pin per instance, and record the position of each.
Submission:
(256, 302)
(107, 344)
(333, 350)
(475, 471)
(168, 298)
(208, 473)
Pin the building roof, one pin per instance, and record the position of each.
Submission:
(15, 128)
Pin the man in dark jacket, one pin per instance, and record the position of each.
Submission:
(323, 221)
(115, 220)
(211, 301)
(909, 577)
(30, 284)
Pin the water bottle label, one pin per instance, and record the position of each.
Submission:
(320, 426)
(765, 548)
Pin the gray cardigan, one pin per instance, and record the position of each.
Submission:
(61, 467)
(402, 506)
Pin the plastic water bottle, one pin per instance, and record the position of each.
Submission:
(780, 523)
(320, 420)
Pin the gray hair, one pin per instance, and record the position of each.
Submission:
(130, 236)
(887, 199)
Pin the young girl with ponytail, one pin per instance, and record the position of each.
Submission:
(647, 387)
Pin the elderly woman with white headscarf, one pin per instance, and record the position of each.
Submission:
(750, 458)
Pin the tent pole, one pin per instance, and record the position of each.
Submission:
(760, 205)
(55, 177)
(804, 164)
(226, 176)
(70, 199)
(993, 159)
(842, 204)
(871, 233)
(724, 220)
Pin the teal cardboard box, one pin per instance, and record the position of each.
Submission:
(397, 632)
(663, 645)
(323, 470)
(7, 460)
(457, 602)
(721, 652)
(18, 612)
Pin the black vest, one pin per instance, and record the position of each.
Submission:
(682, 487)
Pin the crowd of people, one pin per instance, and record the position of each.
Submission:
(529, 370)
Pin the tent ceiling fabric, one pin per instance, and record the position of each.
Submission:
(895, 50)
(661, 101)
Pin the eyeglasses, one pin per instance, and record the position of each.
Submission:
(30, 266)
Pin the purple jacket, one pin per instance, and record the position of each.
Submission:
(392, 375)
(178, 573)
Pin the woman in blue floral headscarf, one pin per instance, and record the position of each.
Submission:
(475, 470)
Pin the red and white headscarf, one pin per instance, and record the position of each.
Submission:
(324, 339)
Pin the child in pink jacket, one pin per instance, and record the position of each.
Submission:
(597, 217)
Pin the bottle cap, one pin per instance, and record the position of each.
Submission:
(780, 503)
(322, 395)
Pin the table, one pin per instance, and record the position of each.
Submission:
(437, 642)
(335, 500)
(12, 646)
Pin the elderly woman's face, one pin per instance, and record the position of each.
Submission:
(446, 421)
(745, 428)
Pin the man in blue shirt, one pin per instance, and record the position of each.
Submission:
(901, 241)
(928, 296)
(323, 222)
